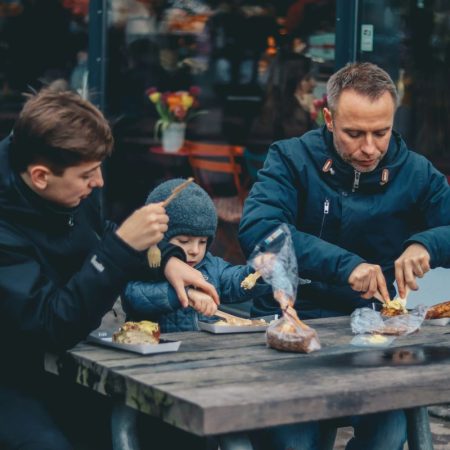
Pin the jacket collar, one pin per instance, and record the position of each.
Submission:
(340, 174)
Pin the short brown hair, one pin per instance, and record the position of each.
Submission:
(365, 78)
(59, 129)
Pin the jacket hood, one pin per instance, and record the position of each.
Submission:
(19, 201)
(338, 173)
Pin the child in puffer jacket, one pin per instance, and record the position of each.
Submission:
(192, 226)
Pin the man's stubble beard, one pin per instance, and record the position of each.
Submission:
(349, 161)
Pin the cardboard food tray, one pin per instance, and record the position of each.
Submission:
(439, 322)
(227, 329)
(105, 339)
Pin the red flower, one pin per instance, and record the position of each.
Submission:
(151, 90)
(179, 112)
(194, 90)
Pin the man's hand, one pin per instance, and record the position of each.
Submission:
(201, 302)
(369, 280)
(145, 227)
(413, 262)
(180, 275)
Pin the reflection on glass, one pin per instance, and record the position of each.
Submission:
(412, 42)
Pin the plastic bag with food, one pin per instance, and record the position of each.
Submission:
(275, 260)
(369, 321)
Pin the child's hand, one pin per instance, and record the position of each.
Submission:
(201, 302)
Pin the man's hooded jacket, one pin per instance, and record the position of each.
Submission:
(340, 218)
(61, 269)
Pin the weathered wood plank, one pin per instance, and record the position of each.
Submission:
(218, 384)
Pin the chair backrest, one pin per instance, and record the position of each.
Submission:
(219, 158)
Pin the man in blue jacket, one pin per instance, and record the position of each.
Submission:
(363, 210)
(61, 265)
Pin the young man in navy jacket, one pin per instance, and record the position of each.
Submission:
(61, 265)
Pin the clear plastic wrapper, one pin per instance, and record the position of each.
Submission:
(284, 335)
(275, 260)
(372, 340)
(369, 321)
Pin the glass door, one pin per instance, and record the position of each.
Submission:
(410, 39)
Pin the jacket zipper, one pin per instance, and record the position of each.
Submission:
(356, 181)
(326, 210)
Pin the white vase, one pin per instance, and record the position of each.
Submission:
(173, 136)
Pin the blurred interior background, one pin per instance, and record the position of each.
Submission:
(260, 66)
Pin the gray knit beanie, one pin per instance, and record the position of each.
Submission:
(192, 212)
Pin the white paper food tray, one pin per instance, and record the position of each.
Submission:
(439, 322)
(227, 329)
(105, 338)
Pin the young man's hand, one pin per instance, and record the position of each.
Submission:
(413, 262)
(201, 302)
(145, 227)
(368, 279)
(180, 275)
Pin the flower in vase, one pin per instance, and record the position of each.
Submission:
(174, 107)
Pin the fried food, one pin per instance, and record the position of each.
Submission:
(377, 339)
(289, 338)
(439, 311)
(239, 322)
(393, 330)
(144, 332)
(395, 307)
(250, 280)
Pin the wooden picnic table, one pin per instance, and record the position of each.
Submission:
(230, 383)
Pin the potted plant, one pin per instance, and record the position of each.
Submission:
(174, 109)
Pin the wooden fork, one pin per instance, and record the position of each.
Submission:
(154, 253)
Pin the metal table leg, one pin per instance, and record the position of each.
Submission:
(419, 433)
(124, 427)
(235, 441)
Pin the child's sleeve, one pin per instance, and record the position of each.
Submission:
(231, 278)
(143, 300)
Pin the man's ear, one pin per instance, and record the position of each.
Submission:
(39, 176)
(328, 119)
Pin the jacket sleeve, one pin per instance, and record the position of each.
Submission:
(144, 300)
(273, 201)
(143, 271)
(435, 210)
(230, 278)
(59, 316)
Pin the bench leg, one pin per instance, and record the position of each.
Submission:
(235, 441)
(419, 433)
(124, 427)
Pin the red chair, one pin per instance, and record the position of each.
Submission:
(215, 169)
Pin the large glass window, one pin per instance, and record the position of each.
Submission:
(259, 66)
(41, 42)
(411, 40)
(234, 51)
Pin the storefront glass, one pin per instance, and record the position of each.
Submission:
(234, 51)
(411, 40)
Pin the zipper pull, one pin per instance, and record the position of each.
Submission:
(326, 206)
(71, 222)
(356, 181)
